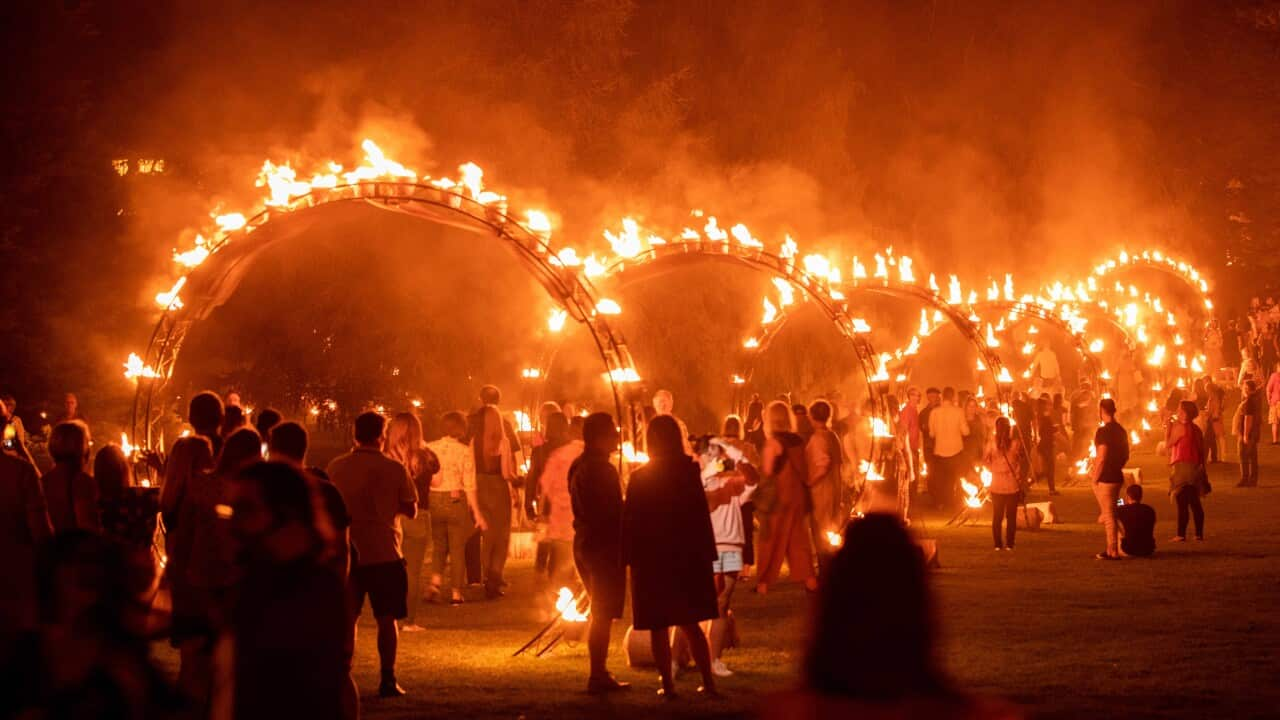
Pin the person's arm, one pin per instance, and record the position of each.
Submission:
(39, 526)
(469, 489)
(408, 494)
(1247, 429)
(1096, 471)
(769, 458)
(818, 458)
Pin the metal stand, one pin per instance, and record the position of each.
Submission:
(553, 632)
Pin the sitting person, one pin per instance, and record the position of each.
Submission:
(1137, 524)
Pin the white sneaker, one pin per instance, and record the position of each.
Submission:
(719, 670)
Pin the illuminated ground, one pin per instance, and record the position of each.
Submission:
(1190, 633)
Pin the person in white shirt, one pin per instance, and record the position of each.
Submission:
(948, 428)
(454, 507)
(1046, 366)
(729, 480)
(663, 404)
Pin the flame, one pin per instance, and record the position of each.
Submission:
(1134, 437)
(834, 539)
(869, 471)
(860, 326)
(859, 270)
(170, 300)
(880, 428)
(126, 446)
(786, 293)
(523, 422)
(985, 475)
(230, 222)
(743, 236)
(1096, 346)
(1004, 376)
(751, 343)
(623, 375)
(627, 243)
(905, 273)
(531, 373)
(631, 455)
(770, 312)
(608, 307)
(555, 321)
(567, 606)
(194, 256)
(538, 223)
(739, 380)
(134, 368)
(992, 340)
(1157, 358)
(971, 494)
(954, 296)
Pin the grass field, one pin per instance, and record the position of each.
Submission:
(1192, 633)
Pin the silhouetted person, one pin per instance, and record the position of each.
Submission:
(668, 542)
(781, 502)
(1186, 467)
(24, 527)
(948, 429)
(128, 513)
(823, 458)
(1137, 524)
(290, 620)
(753, 426)
(266, 420)
(71, 410)
(378, 490)
(872, 647)
(1004, 459)
(1111, 453)
(1247, 427)
(1046, 439)
(494, 443)
(233, 419)
(455, 508)
(554, 497)
(70, 492)
(596, 494)
(405, 445)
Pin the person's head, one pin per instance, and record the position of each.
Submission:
(69, 443)
(242, 448)
(664, 402)
(1057, 400)
(799, 411)
(557, 430)
(368, 429)
(1133, 495)
(599, 433)
(663, 439)
(732, 427)
(891, 657)
(271, 498)
(288, 443)
(233, 399)
(948, 394)
(1004, 433)
(70, 403)
(490, 395)
(971, 408)
(913, 395)
(755, 410)
(1043, 405)
(8, 404)
(545, 410)
(454, 424)
(112, 471)
(204, 412)
(1187, 411)
(1107, 409)
(232, 419)
(820, 411)
(404, 440)
(266, 420)
(933, 396)
(778, 419)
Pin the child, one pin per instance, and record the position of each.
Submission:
(729, 481)
(1137, 524)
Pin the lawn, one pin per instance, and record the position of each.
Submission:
(1190, 633)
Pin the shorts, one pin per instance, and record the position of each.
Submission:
(386, 584)
(606, 584)
(1274, 414)
(729, 561)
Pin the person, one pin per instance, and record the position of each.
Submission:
(909, 425)
(233, 418)
(555, 434)
(804, 427)
(1046, 426)
(1003, 457)
(753, 426)
(1273, 403)
(1045, 366)
(24, 529)
(1024, 416)
(454, 506)
(664, 403)
(1215, 398)
(1247, 427)
(288, 626)
(406, 446)
(728, 479)
(70, 492)
(288, 444)
(668, 543)
(266, 421)
(823, 458)
(537, 460)
(783, 535)
(378, 490)
(1186, 461)
(595, 492)
(1137, 524)
(1083, 402)
(975, 443)
(494, 442)
(886, 668)
(1111, 447)
(128, 514)
(554, 497)
(71, 410)
(13, 433)
(948, 429)
(732, 434)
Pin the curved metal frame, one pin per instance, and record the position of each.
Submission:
(211, 283)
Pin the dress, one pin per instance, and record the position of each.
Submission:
(784, 528)
(668, 542)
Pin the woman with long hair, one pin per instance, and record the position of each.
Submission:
(733, 433)
(975, 443)
(668, 542)
(554, 500)
(71, 494)
(405, 445)
(1186, 462)
(1003, 458)
(454, 506)
(783, 531)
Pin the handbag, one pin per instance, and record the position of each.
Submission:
(1202, 483)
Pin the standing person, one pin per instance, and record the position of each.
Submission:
(783, 531)
(1045, 366)
(909, 426)
(933, 398)
(12, 432)
(556, 435)
(128, 514)
(975, 443)
(378, 490)
(1186, 462)
(664, 403)
(454, 506)
(1213, 430)
(1273, 403)
(1004, 458)
(494, 442)
(1247, 427)
(1137, 524)
(1083, 403)
(948, 429)
(596, 494)
(731, 433)
(753, 426)
(266, 421)
(405, 446)
(71, 493)
(1046, 442)
(1111, 445)
(71, 410)
(554, 496)
(668, 542)
(24, 529)
(289, 625)
(823, 458)
(804, 427)
(728, 480)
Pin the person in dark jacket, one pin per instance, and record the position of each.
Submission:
(668, 542)
(596, 495)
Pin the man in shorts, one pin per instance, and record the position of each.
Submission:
(377, 491)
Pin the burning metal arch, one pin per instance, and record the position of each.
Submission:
(215, 280)
(1156, 260)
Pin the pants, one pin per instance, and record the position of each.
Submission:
(824, 498)
(1188, 498)
(1108, 494)
(1047, 469)
(451, 527)
(1004, 508)
(494, 495)
(786, 536)
(944, 476)
(414, 547)
(1248, 463)
(1211, 441)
